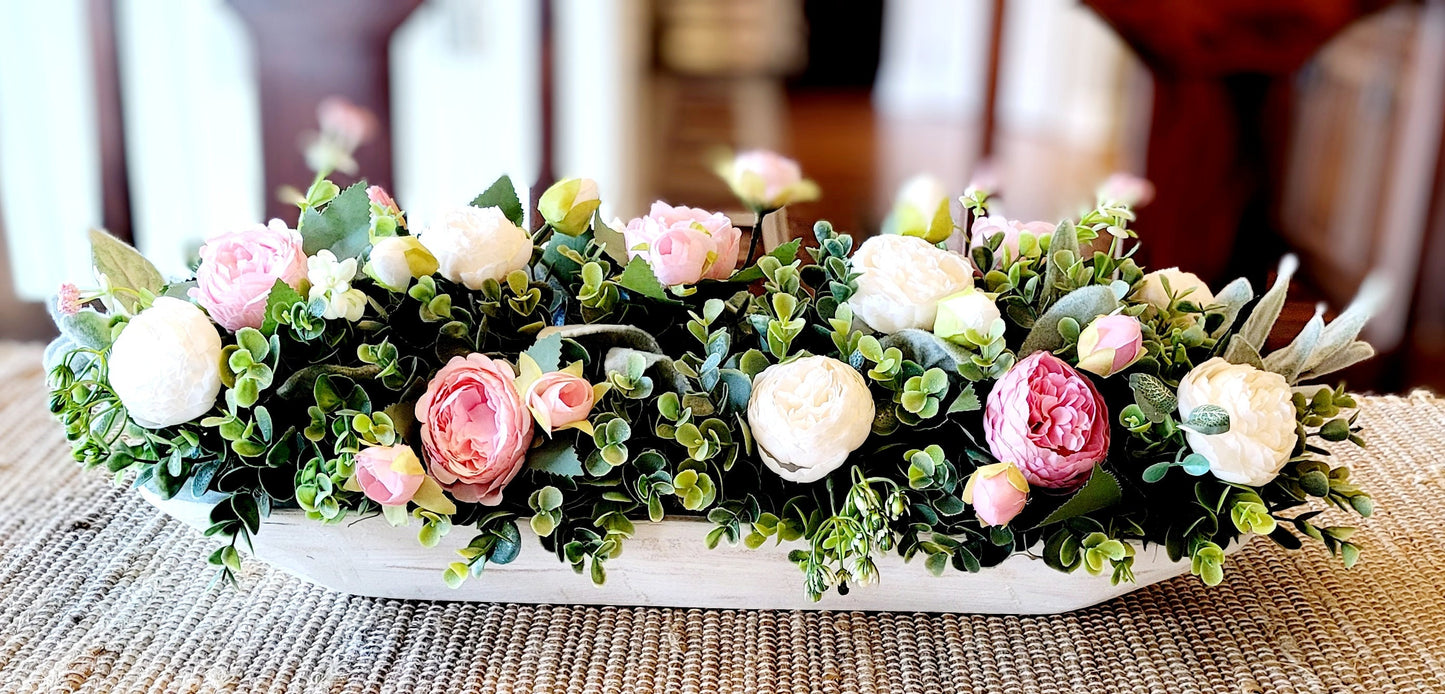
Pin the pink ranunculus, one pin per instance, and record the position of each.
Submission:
(559, 398)
(389, 475)
(984, 228)
(683, 244)
(474, 428)
(997, 492)
(1048, 419)
(1110, 344)
(239, 268)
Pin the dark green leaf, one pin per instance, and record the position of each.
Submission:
(785, 254)
(1101, 491)
(557, 457)
(638, 277)
(503, 196)
(342, 227)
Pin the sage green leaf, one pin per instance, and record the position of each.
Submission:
(1349, 355)
(124, 267)
(967, 401)
(1065, 239)
(1153, 396)
(638, 277)
(342, 227)
(1101, 491)
(503, 196)
(547, 352)
(1230, 300)
(597, 338)
(617, 358)
(86, 328)
(1261, 320)
(556, 457)
(1083, 305)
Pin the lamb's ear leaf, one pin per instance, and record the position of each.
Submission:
(1261, 320)
(1240, 351)
(1291, 360)
(1065, 239)
(85, 328)
(1230, 300)
(503, 196)
(1342, 331)
(926, 349)
(1346, 356)
(124, 267)
(1083, 305)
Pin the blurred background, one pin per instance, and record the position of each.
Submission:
(1266, 126)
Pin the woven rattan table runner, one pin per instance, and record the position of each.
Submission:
(101, 593)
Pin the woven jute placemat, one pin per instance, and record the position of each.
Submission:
(101, 593)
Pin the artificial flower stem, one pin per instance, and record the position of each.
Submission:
(757, 236)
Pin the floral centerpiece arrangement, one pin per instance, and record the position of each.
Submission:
(954, 391)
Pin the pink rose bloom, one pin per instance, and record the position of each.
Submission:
(997, 492)
(559, 398)
(389, 475)
(1134, 191)
(1049, 420)
(683, 244)
(239, 268)
(984, 229)
(474, 428)
(1110, 344)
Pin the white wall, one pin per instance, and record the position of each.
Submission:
(49, 150)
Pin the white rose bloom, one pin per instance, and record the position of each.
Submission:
(166, 365)
(967, 310)
(475, 244)
(1151, 291)
(1261, 432)
(901, 280)
(807, 415)
(331, 281)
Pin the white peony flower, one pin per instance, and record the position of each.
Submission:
(807, 415)
(967, 310)
(1261, 433)
(166, 365)
(331, 281)
(475, 244)
(1185, 285)
(902, 279)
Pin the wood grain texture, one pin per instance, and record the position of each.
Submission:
(664, 565)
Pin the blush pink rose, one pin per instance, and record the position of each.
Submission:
(984, 228)
(1045, 417)
(389, 475)
(559, 398)
(239, 268)
(683, 244)
(997, 492)
(1110, 344)
(474, 428)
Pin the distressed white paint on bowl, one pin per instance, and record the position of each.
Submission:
(665, 565)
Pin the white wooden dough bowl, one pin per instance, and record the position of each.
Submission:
(664, 565)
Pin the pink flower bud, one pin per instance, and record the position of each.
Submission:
(1110, 344)
(558, 399)
(997, 492)
(389, 475)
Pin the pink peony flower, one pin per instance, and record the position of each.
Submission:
(239, 268)
(389, 475)
(997, 492)
(474, 428)
(1110, 344)
(984, 229)
(1049, 420)
(683, 244)
(558, 399)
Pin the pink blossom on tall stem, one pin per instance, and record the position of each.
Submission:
(67, 300)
